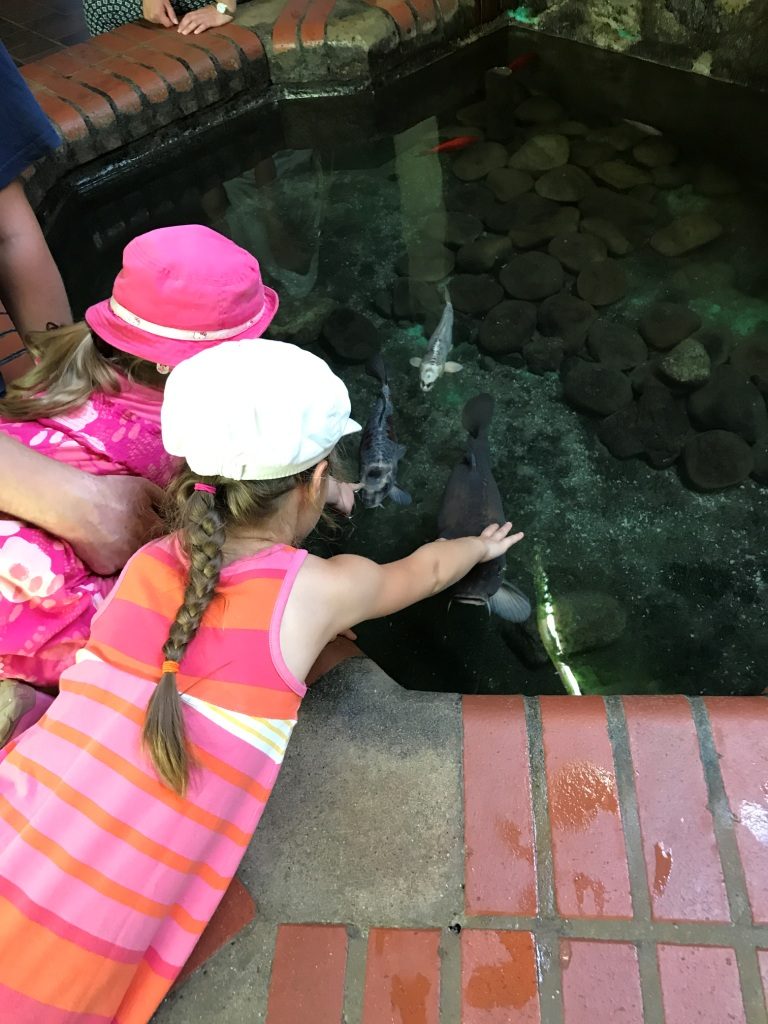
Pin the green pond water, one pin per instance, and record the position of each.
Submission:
(655, 587)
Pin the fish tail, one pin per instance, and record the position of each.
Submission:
(477, 414)
(375, 368)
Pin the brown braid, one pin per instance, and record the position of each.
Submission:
(164, 732)
(203, 521)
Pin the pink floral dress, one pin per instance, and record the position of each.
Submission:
(48, 596)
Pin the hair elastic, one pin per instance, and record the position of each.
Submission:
(205, 487)
(170, 666)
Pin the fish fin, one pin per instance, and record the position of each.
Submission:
(453, 367)
(399, 496)
(510, 603)
(649, 129)
(415, 361)
(477, 414)
(375, 367)
(400, 451)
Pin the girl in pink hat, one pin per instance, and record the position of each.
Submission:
(92, 403)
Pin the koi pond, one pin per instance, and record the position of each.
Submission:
(609, 291)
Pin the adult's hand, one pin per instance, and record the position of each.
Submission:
(198, 21)
(105, 519)
(159, 12)
(118, 515)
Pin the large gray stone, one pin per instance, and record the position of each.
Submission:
(598, 390)
(686, 233)
(541, 153)
(717, 459)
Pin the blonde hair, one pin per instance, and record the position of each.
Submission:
(203, 521)
(71, 363)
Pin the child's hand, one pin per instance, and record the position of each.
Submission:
(341, 496)
(498, 541)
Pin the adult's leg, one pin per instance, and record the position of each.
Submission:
(30, 283)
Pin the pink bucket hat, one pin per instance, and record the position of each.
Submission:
(182, 290)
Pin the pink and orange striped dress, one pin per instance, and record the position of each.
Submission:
(107, 877)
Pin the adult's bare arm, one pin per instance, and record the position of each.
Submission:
(104, 518)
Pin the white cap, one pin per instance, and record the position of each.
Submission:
(254, 410)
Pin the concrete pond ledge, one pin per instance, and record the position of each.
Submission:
(500, 859)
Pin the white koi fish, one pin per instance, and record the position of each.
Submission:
(434, 365)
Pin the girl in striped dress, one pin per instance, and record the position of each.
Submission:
(125, 811)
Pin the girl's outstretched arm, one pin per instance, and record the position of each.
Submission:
(359, 589)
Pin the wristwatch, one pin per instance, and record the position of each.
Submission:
(223, 9)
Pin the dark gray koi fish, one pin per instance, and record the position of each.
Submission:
(470, 503)
(379, 449)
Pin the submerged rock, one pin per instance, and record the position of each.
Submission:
(598, 390)
(524, 210)
(644, 193)
(686, 233)
(620, 433)
(617, 208)
(663, 426)
(655, 152)
(428, 261)
(479, 160)
(566, 317)
(541, 153)
(544, 355)
(687, 364)
(483, 254)
(587, 153)
(760, 462)
(475, 293)
(620, 175)
(615, 345)
(415, 300)
(300, 321)
(351, 336)
(507, 328)
(506, 183)
(621, 136)
(716, 460)
(532, 276)
(667, 323)
(539, 110)
(655, 426)
(575, 251)
(730, 402)
(602, 283)
(616, 242)
(472, 198)
(564, 222)
(566, 184)
(588, 620)
(453, 229)
(718, 342)
(750, 358)
(573, 129)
